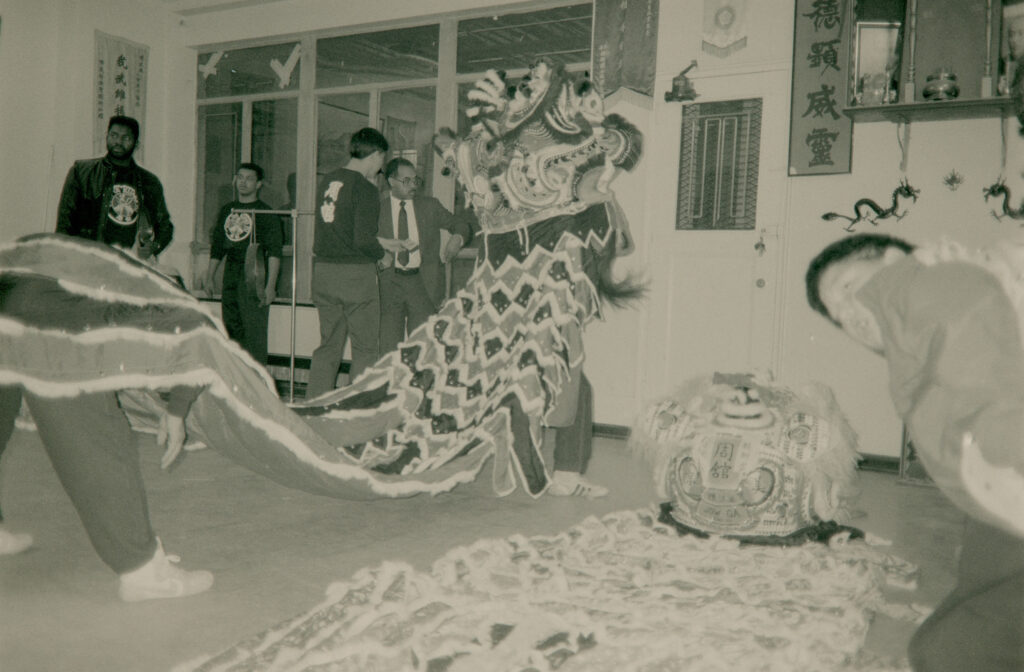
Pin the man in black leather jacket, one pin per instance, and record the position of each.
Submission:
(113, 200)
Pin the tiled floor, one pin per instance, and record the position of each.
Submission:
(275, 550)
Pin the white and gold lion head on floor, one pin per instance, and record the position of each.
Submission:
(740, 456)
(542, 149)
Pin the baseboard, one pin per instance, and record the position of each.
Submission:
(882, 463)
(285, 361)
(611, 431)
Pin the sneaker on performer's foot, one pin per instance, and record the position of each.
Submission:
(159, 578)
(571, 484)
(13, 542)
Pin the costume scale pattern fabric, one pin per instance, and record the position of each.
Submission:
(622, 593)
(474, 382)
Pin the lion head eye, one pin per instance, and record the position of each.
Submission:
(757, 486)
(688, 479)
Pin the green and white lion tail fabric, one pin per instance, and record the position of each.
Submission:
(476, 381)
(79, 316)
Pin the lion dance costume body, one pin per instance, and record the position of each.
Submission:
(476, 382)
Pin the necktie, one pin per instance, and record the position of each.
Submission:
(403, 233)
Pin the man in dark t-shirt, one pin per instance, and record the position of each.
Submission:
(113, 200)
(246, 297)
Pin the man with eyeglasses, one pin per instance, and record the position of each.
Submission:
(412, 274)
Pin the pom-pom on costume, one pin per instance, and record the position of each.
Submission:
(742, 457)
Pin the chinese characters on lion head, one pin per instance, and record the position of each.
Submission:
(744, 458)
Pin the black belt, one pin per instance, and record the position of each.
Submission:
(407, 271)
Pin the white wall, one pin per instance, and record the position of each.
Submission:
(802, 345)
(707, 311)
(46, 102)
(29, 40)
(812, 348)
(46, 49)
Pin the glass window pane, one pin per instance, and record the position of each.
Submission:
(338, 117)
(253, 70)
(274, 142)
(513, 41)
(274, 137)
(219, 133)
(386, 56)
(220, 146)
(407, 117)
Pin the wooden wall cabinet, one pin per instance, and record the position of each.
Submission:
(958, 36)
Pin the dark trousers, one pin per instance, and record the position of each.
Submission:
(348, 305)
(404, 305)
(244, 318)
(573, 443)
(980, 625)
(10, 405)
(92, 449)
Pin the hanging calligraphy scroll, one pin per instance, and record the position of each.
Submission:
(820, 135)
(625, 45)
(120, 85)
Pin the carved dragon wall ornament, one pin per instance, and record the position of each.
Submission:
(868, 210)
(997, 189)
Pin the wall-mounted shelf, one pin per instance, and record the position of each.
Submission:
(939, 110)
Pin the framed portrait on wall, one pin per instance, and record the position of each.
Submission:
(876, 63)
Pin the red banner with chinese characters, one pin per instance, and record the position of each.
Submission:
(120, 85)
(820, 135)
(625, 45)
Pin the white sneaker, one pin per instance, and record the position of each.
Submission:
(13, 542)
(159, 578)
(571, 484)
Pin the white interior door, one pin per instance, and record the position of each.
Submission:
(715, 302)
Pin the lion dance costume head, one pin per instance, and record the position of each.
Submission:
(742, 457)
(545, 151)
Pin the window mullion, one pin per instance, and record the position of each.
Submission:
(446, 110)
(374, 109)
(246, 131)
(305, 157)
